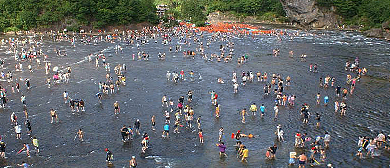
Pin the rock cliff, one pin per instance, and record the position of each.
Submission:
(383, 32)
(306, 14)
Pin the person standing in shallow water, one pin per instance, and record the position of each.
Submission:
(276, 108)
(153, 120)
(116, 108)
(200, 133)
(80, 134)
(54, 115)
(245, 154)
(302, 160)
(2, 149)
(243, 113)
(109, 155)
(133, 162)
(222, 149)
(253, 109)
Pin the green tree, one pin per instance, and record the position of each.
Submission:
(192, 9)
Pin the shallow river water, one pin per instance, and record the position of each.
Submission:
(367, 115)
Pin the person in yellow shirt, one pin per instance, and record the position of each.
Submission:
(253, 109)
(244, 154)
(36, 144)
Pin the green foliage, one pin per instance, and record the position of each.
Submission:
(247, 7)
(73, 28)
(370, 13)
(193, 10)
(30, 14)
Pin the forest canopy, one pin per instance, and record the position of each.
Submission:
(28, 14)
(72, 14)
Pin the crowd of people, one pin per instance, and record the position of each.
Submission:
(184, 117)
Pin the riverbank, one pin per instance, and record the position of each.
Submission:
(83, 30)
(220, 17)
(215, 18)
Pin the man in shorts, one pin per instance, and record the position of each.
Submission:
(302, 160)
(116, 107)
(253, 109)
(53, 114)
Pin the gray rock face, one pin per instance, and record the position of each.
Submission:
(387, 36)
(376, 32)
(383, 32)
(386, 30)
(307, 14)
(386, 25)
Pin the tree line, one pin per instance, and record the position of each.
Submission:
(369, 13)
(30, 14)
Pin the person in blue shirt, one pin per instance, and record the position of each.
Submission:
(326, 100)
(24, 165)
(166, 130)
(262, 109)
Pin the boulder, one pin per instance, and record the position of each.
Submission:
(386, 35)
(307, 14)
(375, 32)
(386, 25)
